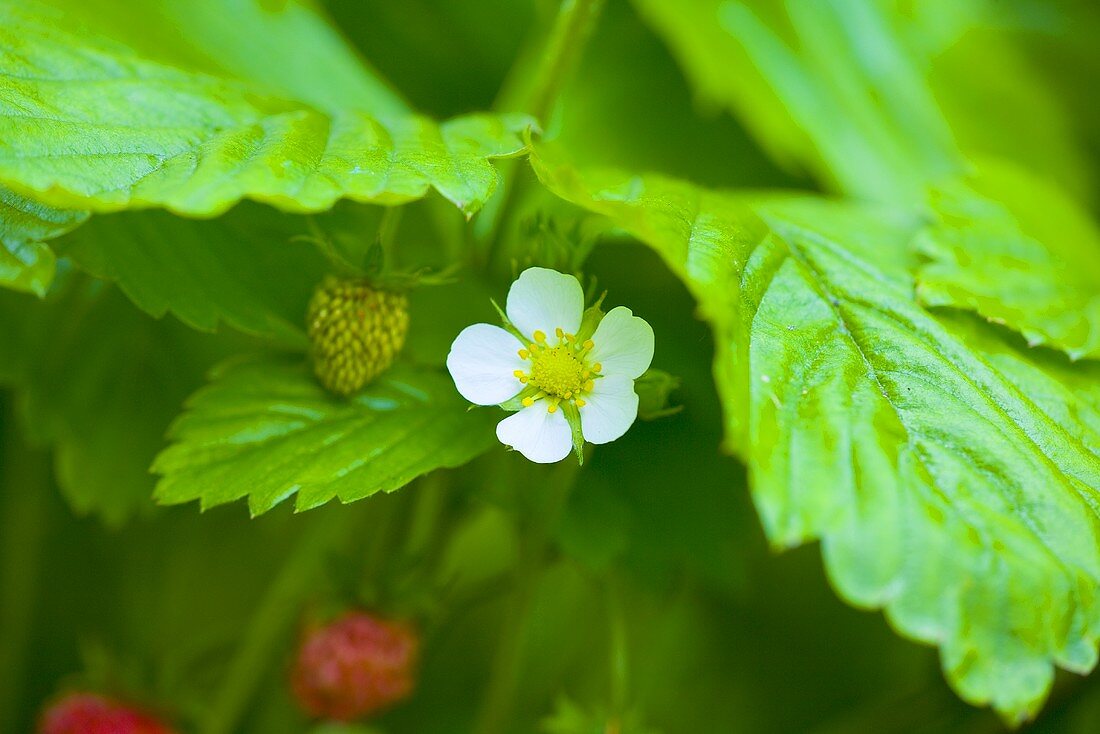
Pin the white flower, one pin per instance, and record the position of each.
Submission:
(565, 378)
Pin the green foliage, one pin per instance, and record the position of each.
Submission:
(264, 429)
(881, 100)
(242, 269)
(256, 43)
(91, 124)
(907, 373)
(790, 71)
(336, 728)
(100, 382)
(877, 98)
(570, 718)
(1019, 252)
(868, 424)
(26, 263)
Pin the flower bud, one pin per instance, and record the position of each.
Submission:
(356, 330)
(355, 666)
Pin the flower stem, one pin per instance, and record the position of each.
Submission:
(533, 86)
(25, 480)
(324, 532)
(620, 661)
(535, 92)
(534, 544)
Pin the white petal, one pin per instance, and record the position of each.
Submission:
(545, 300)
(482, 363)
(623, 344)
(610, 409)
(541, 436)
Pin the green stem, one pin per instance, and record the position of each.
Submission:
(620, 662)
(25, 485)
(326, 530)
(387, 234)
(534, 547)
(536, 92)
(458, 604)
(430, 497)
(385, 520)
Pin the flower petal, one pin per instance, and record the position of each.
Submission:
(623, 344)
(541, 436)
(545, 300)
(609, 410)
(482, 362)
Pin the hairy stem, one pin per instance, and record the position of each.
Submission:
(535, 536)
(535, 82)
(620, 662)
(533, 86)
(326, 530)
(24, 483)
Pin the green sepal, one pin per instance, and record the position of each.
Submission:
(508, 325)
(374, 259)
(591, 318)
(516, 403)
(654, 389)
(573, 417)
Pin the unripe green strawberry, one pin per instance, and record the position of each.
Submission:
(357, 330)
(355, 666)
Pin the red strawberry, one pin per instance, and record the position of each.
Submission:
(89, 713)
(355, 666)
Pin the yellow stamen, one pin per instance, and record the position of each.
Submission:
(588, 344)
(557, 371)
(559, 333)
(540, 336)
(571, 338)
(528, 402)
(519, 374)
(589, 385)
(524, 354)
(580, 402)
(553, 406)
(597, 367)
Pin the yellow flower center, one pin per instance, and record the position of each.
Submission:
(558, 372)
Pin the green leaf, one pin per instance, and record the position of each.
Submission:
(266, 430)
(99, 382)
(290, 51)
(26, 263)
(88, 123)
(875, 98)
(241, 269)
(885, 101)
(1017, 251)
(960, 495)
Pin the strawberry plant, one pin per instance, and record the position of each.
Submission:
(566, 366)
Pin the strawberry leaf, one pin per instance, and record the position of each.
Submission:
(266, 430)
(89, 122)
(953, 483)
